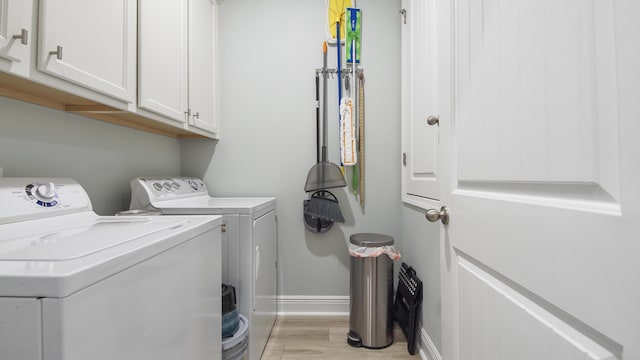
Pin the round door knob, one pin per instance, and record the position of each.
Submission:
(434, 215)
(433, 120)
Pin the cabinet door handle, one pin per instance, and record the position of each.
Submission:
(196, 115)
(23, 37)
(57, 53)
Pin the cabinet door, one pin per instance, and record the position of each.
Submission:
(163, 57)
(16, 17)
(202, 65)
(91, 43)
(419, 139)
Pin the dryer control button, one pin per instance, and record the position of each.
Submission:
(194, 184)
(157, 186)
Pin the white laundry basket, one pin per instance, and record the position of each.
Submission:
(235, 347)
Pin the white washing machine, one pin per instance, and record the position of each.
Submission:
(249, 243)
(77, 286)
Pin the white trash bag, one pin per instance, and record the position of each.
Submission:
(362, 251)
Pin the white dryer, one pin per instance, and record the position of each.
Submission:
(249, 242)
(77, 286)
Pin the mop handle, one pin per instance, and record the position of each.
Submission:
(339, 62)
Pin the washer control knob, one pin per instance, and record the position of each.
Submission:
(46, 191)
(175, 185)
(167, 186)
(157, 186)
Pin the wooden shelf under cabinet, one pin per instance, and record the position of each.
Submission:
(28, 91)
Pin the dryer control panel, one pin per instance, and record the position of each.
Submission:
(151, 189)
(32, 198)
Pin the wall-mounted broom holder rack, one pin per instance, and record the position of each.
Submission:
(344, 71)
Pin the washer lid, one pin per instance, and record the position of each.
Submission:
(72, 242)
(58, 256)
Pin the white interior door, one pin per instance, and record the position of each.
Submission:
(419, 93)
(540, 140)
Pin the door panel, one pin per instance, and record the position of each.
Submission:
(527, 331)
(535, 84)
(540, 256)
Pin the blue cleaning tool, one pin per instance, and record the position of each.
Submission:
(353, 33)
(339, 82)
(339, 66)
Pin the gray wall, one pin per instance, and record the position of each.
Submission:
(421, 247)
(102, 157)
(269, 50)
(267, 145)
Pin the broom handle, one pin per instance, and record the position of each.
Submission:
(317, 118)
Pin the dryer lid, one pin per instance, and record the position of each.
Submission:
(215, 205)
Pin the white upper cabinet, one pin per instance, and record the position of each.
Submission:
(163, 77)
(145, 64)
(420, 120)
(16, 35)
(202, 65)
(177, 62)
(91, 43)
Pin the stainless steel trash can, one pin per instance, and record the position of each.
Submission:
(371, 295)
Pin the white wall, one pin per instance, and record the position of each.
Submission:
(102, 157)
(269, 50)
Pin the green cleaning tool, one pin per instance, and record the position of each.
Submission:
(354, 31)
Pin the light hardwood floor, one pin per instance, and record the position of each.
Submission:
(295, 337)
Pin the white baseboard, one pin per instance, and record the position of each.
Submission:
(313, 305)
(428, 350)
